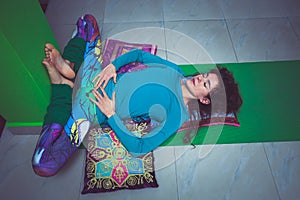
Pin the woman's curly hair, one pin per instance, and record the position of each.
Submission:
(225, 98)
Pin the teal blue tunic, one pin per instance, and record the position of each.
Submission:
(154, 91)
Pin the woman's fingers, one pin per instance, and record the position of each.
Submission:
(100, 78)
(96, 77)
(98, 84)
(97, 95)
(92, 100)
(100, 97)
(101, 82)
(114, 97)
(115, 78)
(103, 92)
(104, 76)
(104, 103)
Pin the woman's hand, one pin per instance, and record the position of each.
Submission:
(104, 76)
(104, 103)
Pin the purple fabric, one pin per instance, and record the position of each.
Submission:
(52, 151)
(87, 28)
(91, 28)
(115, 48)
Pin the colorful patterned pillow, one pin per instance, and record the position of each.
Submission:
(110, 167)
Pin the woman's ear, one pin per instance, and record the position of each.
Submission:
(205, 100)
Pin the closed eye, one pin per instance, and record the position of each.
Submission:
(207, 84)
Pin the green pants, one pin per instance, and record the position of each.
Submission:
(60, 105)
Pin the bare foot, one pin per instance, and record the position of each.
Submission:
(64, 67)
(55, 76)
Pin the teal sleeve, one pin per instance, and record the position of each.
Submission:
(139, 146)
(144, 57)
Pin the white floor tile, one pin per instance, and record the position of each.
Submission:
(244, 9)
(62, 33)
(133, 11)
(94, 7)
(292, 7)
(224, 172)
(199, 42)
(13, 153)
(64, 12)
(121, 195)
(295, 21)
(164, 163)
(270, 39)
(68, 11)
(192, 10)
(18, 180)
(4, 140)
(284, 158)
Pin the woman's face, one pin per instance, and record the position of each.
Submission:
(202, 84)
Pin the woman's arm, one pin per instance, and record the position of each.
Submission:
(135, 55)
(147, 143)
(144, 57)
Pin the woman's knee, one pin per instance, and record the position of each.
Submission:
(52, 151)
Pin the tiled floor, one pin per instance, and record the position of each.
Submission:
(186, 31)
(239, 171)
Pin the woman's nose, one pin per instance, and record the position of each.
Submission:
(200, 78)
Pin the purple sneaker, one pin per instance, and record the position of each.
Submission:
(52, 151)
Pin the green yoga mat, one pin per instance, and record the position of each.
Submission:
(270, 111)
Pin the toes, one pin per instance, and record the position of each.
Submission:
(46, 62)
(47, 51)
(49, 46)
(50, 52)
(47, 54)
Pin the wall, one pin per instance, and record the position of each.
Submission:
(23, 79)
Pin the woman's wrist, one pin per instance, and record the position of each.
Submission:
(108, 115)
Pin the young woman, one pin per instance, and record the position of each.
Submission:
(159, 91)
